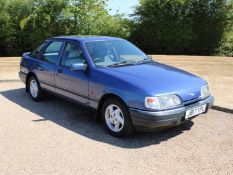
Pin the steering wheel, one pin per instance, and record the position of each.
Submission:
(97, 60)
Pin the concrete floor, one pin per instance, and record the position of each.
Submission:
(58, 137)
(55, 136)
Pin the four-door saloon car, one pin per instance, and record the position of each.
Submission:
(125, 87)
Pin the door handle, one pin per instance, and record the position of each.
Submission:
(60, 71)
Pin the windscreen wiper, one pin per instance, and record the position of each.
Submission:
(146, 60)
(121, 63)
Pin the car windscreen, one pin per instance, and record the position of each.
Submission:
(114, 52)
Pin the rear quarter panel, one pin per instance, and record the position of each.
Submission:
(26, 64)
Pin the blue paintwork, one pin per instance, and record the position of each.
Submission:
(131, 83)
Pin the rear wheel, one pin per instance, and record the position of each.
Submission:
(116, 118)
(34, 89)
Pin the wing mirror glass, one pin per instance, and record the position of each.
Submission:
(79, 67)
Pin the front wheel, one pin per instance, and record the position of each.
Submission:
(116, 118)
(34, 89)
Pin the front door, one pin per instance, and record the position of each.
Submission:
(73, 84)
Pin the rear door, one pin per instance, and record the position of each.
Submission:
(73, 84)
(47, 65)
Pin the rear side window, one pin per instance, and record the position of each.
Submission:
(52, 51)
(36, 52)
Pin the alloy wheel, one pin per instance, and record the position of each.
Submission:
(114, 118)
(33, 88)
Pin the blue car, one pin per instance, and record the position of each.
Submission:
(126, 88)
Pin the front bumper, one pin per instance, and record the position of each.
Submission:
(148, 120)
(22, 77)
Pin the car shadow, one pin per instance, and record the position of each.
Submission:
(80, 120)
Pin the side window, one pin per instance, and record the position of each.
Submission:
(52, 51)
(72, 54)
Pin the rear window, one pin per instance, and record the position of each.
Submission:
(38, 50)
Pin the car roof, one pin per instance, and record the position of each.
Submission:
(84, 38)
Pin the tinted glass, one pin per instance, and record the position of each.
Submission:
(52, 51)
(72, 54)
(105, 53)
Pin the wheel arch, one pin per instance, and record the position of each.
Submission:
(103, 99)
(27, 79)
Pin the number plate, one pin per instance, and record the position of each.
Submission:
(195, 111)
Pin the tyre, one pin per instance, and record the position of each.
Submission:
(34, 89)
(116, 118)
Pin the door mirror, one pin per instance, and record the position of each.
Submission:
(78, 67)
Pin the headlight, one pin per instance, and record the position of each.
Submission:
(205, 92)
(162, 102)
